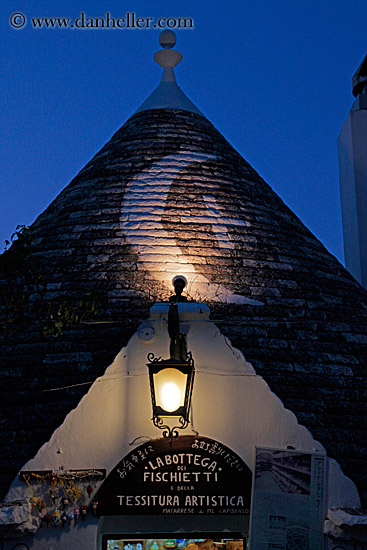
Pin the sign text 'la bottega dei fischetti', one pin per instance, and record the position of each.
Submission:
(195, 475)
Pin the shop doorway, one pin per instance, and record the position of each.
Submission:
(184, 541)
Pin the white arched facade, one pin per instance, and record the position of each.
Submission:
(230, 404)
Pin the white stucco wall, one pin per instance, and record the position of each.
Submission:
(230, 404)
(352, 156)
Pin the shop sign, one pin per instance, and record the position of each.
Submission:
(195, 475)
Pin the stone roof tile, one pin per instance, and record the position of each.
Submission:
(168, 188)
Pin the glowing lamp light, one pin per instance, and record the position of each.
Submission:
(171, 383)
(171, 396)
(170, 386)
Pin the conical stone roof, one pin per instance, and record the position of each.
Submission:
(168, 195)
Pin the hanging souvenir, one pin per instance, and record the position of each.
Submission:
(41, 516)
(55, 518)
(47, 519)
(76, 514)
(93, 507)
(53, 481)
(89, 490)
(54, 493)
(41, 504)
(84, 511)
(69, 484)
(65, 502)
(63, 519)
(34, 502)
(74, 492)
(70, 517)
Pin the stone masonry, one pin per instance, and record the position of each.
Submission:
(296, 314)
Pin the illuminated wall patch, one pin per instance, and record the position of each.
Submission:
(144, 205)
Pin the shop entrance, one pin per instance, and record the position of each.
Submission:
(170, 495)
(197, 532)
(184, 541)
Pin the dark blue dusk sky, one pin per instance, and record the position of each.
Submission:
(273, 77)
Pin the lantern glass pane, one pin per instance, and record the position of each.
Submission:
(170, 387)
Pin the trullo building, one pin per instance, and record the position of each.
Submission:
(272, 323)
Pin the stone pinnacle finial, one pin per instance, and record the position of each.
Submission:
(167, 39)
(167, 58)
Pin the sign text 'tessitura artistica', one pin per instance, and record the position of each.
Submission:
(195, 475)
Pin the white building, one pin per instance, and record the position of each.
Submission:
(352, 152)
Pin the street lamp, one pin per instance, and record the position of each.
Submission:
(171, 380)
(171, 384)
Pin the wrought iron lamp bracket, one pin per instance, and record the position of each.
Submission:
(170, 432)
